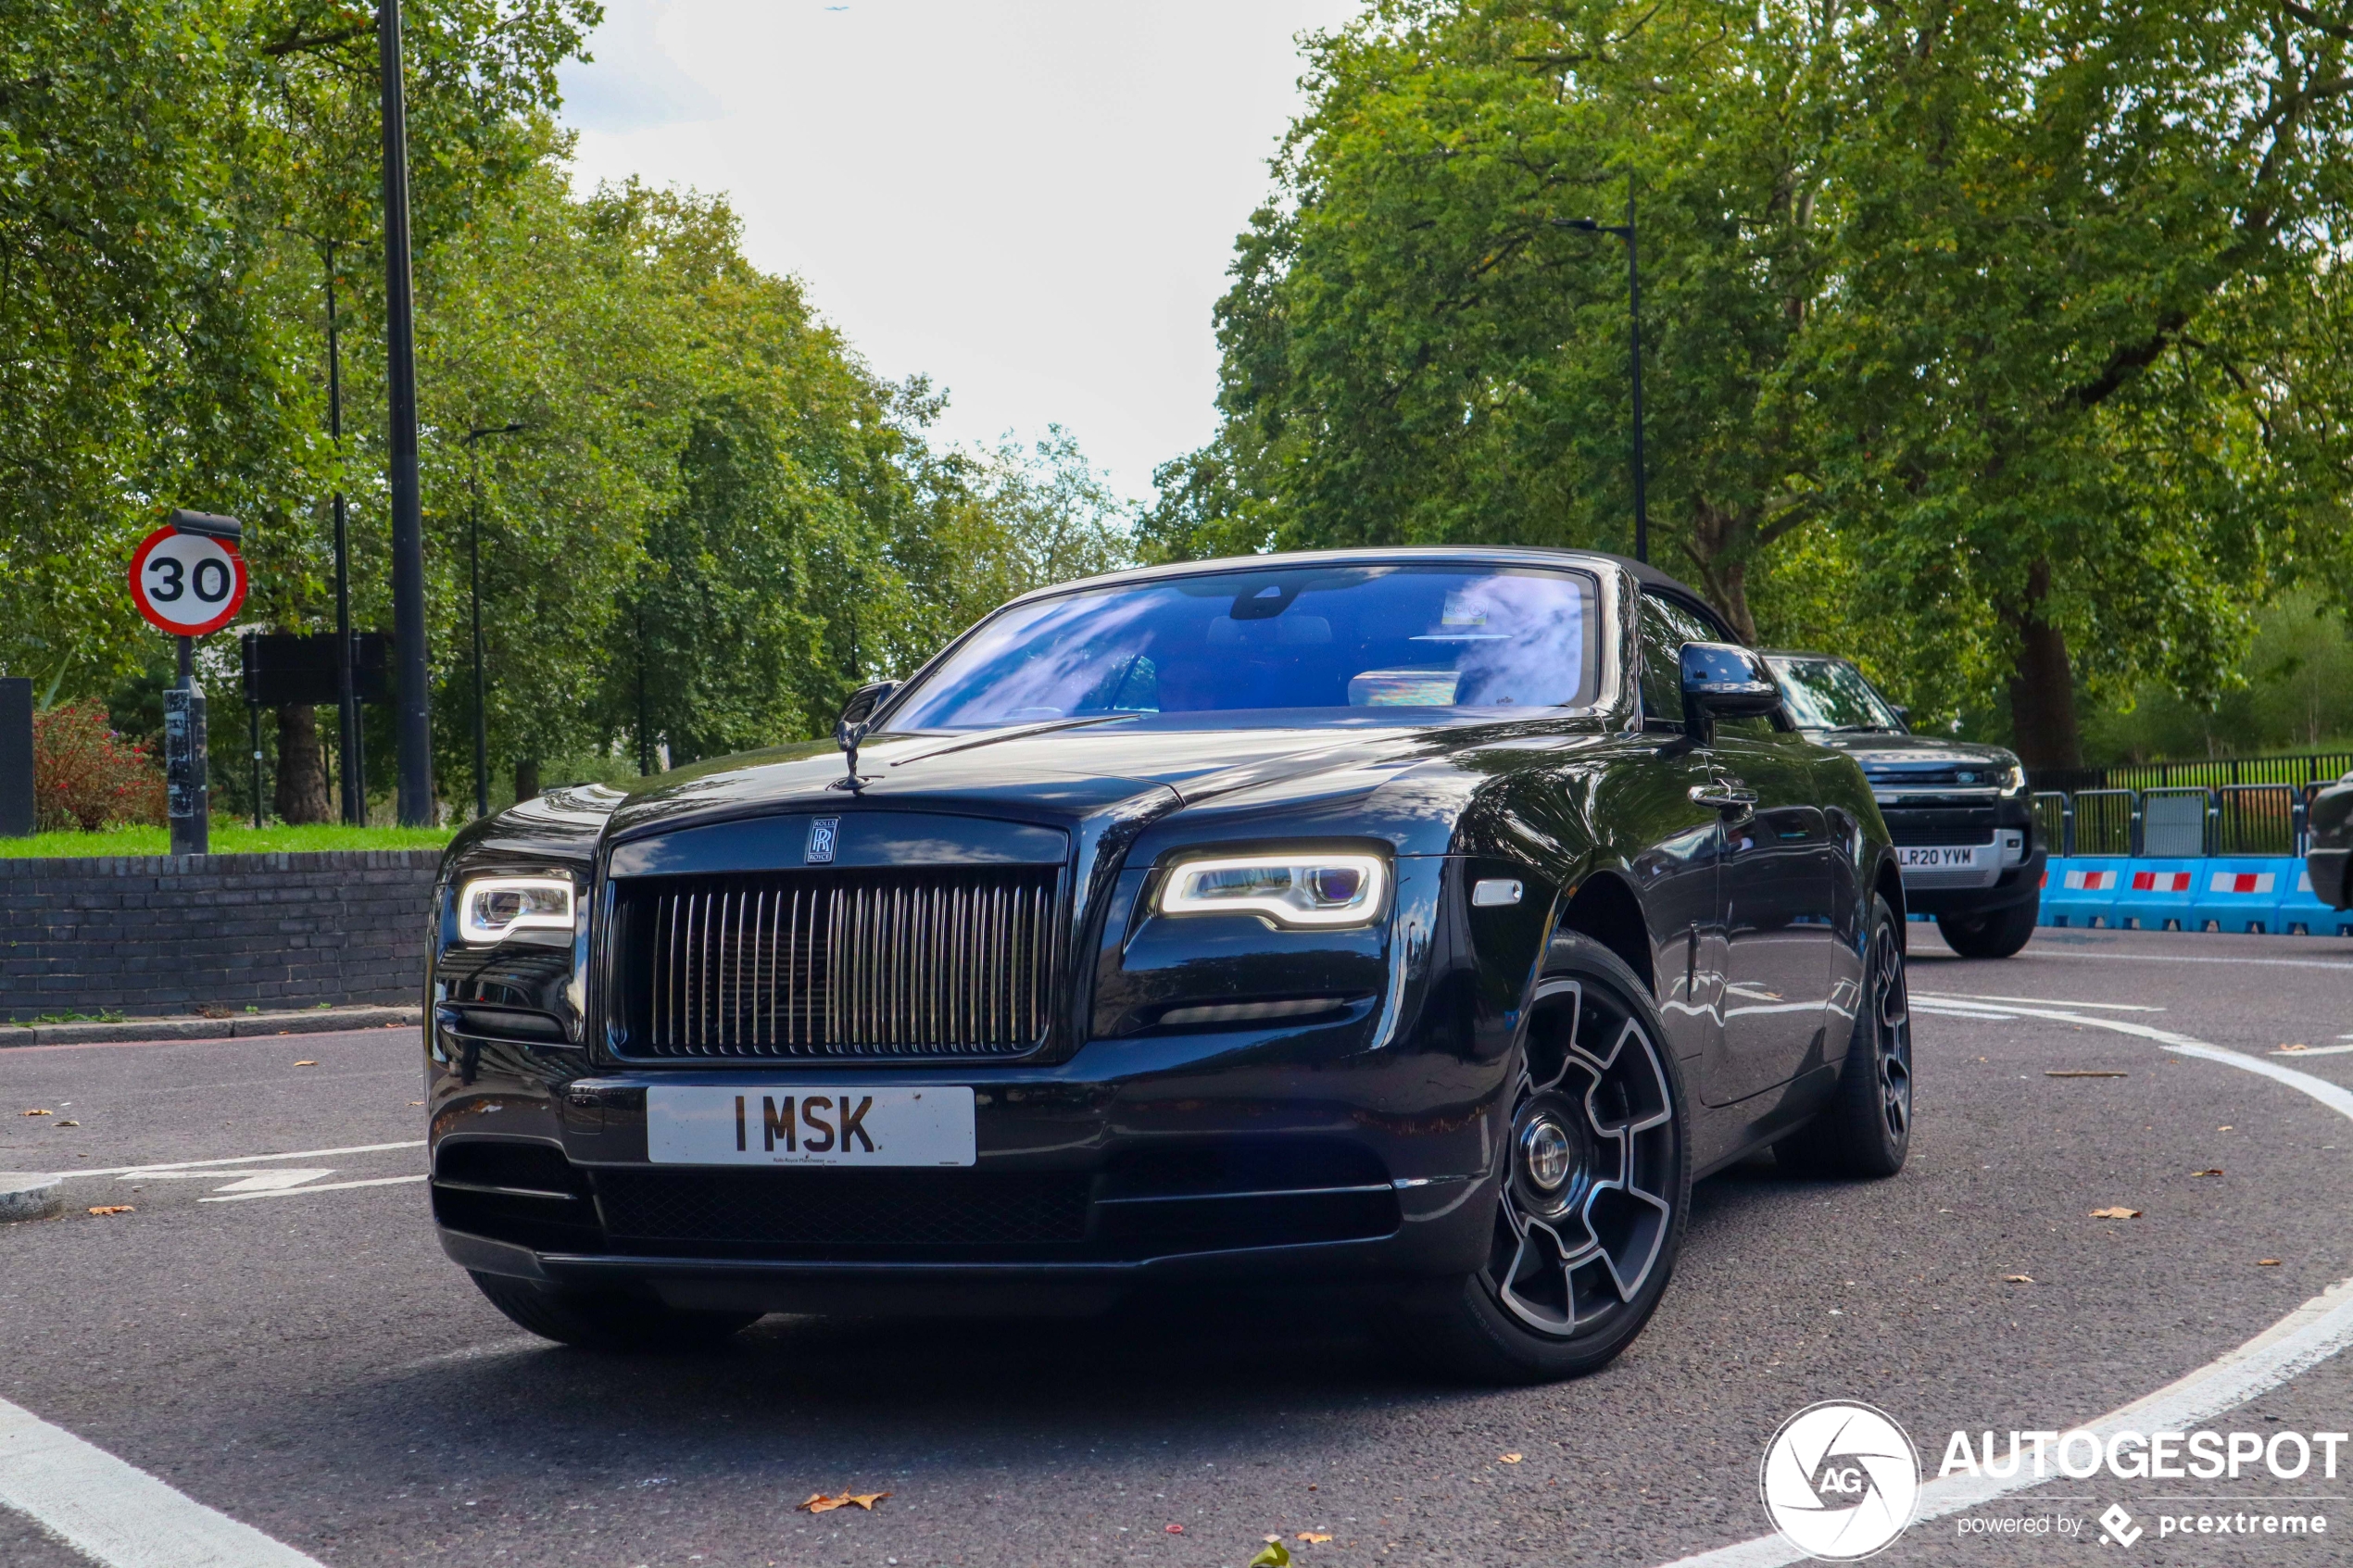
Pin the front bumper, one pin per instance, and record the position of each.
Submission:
(2018, 886)
(1296, 1156)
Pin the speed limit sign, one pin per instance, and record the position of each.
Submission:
(187, 583)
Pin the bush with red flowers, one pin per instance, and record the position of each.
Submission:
(87, 776)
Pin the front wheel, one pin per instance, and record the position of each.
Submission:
(1594, 1190)
(1995, 935)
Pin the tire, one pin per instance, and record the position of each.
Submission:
(1866, 1128)
(1994, 936)
(1594, 1192)
(607, 1321)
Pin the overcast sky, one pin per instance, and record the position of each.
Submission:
(1033, 203)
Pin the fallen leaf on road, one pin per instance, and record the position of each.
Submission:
(2300, 1045)
(2216, 1171)
(68, 1121)
(37, 1113)
(2117, 1212)
(306, 1065)
(821, 1503)
(2082, 1072)
(1274, 1554)
(2018, 1279)
(112, 1209)
(1172, 1529)
(1509, 1459)
(2224, 1128)
(2266, 1262)
(1318, 1536)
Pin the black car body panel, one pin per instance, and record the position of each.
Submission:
(1166, 1095)
(2329, 846)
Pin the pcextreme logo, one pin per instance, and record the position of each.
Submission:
(1840, 1480)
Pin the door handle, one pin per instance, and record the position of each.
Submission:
(1728, 795)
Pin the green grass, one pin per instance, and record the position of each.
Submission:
(228, 838)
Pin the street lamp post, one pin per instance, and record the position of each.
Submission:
(1634, 315)
(473, 574)
(353, 765)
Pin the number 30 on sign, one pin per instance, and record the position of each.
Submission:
(186, 584)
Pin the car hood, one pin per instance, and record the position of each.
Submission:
(1058, 771)
(1887, 756)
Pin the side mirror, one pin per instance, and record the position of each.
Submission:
(863, 702)
(1724, 681)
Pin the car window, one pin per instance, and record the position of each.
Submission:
(1368, 638)
(1830, 694)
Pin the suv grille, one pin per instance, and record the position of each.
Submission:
(707, 1210)
(931, 961)
(1924, 835)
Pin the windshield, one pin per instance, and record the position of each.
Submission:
(1356, 637)
(1830, 694)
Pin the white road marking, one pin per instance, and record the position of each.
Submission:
(2183, 958)
(116, 1513)
(2036, 1002)
(272, 1181)
(514, 1346)
(265, 1178)
(298, 1192)
(2318, 1050)
(242, 1159)
(1944, 1010)
(2303, 1339)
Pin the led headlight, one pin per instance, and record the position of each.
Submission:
(1310, 888)
(2014, 781)
(491, 908)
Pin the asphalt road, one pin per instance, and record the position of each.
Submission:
(305, 1361)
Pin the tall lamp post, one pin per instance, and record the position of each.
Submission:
(1634, 317)
(473, 574)
(412, 690)
(352, 762)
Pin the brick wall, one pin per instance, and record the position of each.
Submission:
(156, 934)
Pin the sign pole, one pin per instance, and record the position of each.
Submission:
(252, 712)
(187, 807)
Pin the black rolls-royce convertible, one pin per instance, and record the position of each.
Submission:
(1416, 921)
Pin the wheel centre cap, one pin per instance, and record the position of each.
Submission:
(1547, 1154)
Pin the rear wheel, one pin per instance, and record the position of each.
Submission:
(1994, 936)
(1866, 1128)
(593, 1320)
(1593, 1193)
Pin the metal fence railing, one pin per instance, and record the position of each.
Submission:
(2105, 821)
(2176, 822)
(2264, 819)
(2312, 767)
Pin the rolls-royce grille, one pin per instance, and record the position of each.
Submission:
(916, 962)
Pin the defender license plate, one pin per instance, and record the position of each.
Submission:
(807, 1124)
(1947, 856)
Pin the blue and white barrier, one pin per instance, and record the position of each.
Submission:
(2224, 893)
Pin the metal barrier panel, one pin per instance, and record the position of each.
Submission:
(2174, 822)
(2051, 814)
(2104, 821)
(2256, 820)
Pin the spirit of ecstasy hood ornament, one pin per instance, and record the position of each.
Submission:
(857, 720)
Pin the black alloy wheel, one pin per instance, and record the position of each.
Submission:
(1594, 1186)
(1866, 1128)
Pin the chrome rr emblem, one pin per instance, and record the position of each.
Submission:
(822, 830)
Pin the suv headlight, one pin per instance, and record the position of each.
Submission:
(1307, 889)
(2014, 781)
(492, 908)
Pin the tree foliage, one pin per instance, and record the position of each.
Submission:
(2020, 320)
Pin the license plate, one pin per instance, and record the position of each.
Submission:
(807, 1124)
(1910, 856)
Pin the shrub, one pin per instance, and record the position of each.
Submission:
(87, 776)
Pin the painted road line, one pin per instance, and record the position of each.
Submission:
(2037, 1002)
(1942, 1011)
(242, 1159)
(2307, 1336)
(116, 1513)
(298, 1192)
(260, 1179)
(2170, 957)
(2316, 1050)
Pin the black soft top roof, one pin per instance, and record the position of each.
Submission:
(1682, 594)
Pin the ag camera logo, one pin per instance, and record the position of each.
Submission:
(1840, 1480)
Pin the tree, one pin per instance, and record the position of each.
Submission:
(2016, 314)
